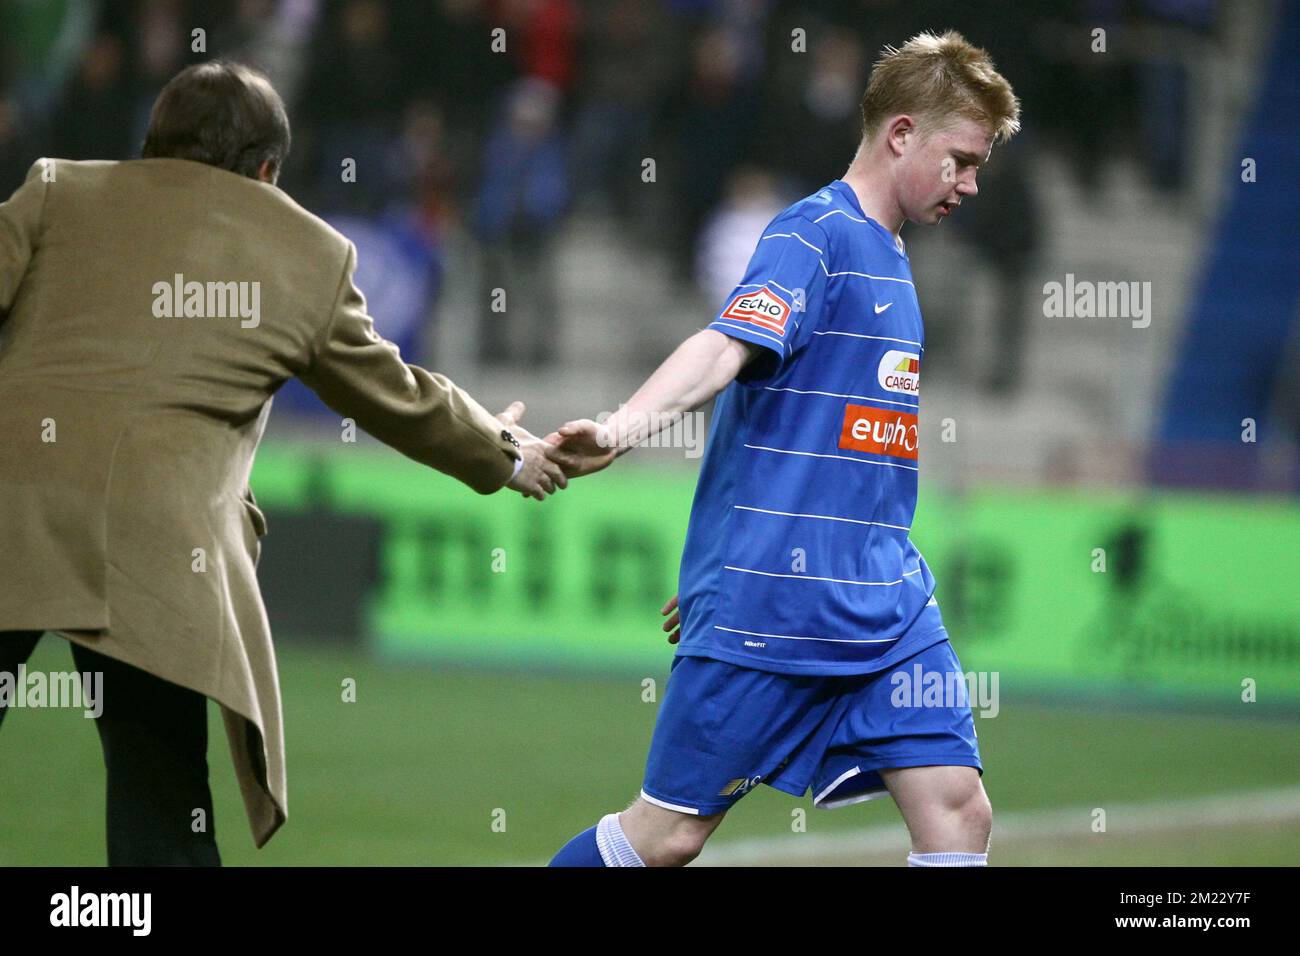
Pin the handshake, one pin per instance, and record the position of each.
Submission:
(573, 450)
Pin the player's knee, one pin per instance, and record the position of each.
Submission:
(664, 838)
(976, 815)
(678, 844)
(682, 846)
(960, 820)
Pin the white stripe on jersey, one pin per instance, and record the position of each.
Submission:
(865, 398)
(830, 640)
(837, 212)
(813, 454)
(864, 275)
(812, 577)
(841, 212)
(788, 235)
(793, 514)
(859, 335)
(759, 285)
(745, 328)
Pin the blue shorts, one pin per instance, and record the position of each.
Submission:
(723, 729)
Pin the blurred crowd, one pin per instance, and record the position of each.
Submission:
(501, 119)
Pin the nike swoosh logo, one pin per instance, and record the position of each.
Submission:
(881, 308)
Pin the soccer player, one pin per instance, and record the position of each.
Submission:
(804, 606)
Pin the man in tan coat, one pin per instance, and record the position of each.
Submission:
(148, 311)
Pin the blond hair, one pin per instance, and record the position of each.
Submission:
(940, 77)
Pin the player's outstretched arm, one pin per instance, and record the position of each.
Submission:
(700, 367)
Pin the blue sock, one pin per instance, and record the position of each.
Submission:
(580, 851)
(605, 844)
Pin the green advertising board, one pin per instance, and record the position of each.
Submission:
(1164, 592)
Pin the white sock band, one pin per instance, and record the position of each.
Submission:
(947, 859)
(612, 844)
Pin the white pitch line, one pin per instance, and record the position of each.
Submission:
(1229, 809)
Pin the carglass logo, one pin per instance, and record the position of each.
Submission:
(900, 372)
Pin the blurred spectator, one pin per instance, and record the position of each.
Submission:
(1164, 88)
(421, 171)
(158, 43)
(40, 50)
(271, 35)
(524, 194)
(1089, 100)
(17, 149)
(812, 122)
(626, 68)
(543, 35)
(1003, 230)
(353, 96)
(714, 116)
(94, 119)
(733, 230)
(446, 47)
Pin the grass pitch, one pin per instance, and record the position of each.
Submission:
(438, 766)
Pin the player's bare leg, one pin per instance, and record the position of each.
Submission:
(945, 808)
(665, 837)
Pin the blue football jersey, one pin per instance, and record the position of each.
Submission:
(798, 558)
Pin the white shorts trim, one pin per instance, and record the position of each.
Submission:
(822, 803)
(849, 801)
(851, 772)
(668, 806)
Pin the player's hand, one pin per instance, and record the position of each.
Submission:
(539, 476)
(673, 623)
(583, 447)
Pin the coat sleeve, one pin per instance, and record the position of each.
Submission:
(20, 220)
(422, 414)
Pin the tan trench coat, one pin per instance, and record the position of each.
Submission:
(127, 435)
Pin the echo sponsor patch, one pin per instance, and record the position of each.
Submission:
(762, 308)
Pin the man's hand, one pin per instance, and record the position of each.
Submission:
(702, 366)
(673, 623)
(583, 447)
(540, 475)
